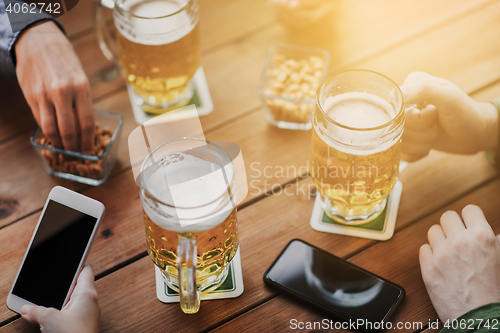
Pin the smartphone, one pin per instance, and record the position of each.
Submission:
(343, 290)
(57, 250)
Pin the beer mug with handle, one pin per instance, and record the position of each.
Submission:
(156, 47)
(188, 194)
(358, 122)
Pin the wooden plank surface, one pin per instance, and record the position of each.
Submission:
(235, 70)
(470, 40)
(359, 29)
(288, 224)
(216, 17)
(263, 145)
(287, 149)
(15, 116)
(247, 58)
(135, 282)
(454, 176)
(220, 21)
(456, 40)
(396, 259)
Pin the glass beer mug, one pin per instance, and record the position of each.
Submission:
(158, 49)
(188, 194)
(358, 124)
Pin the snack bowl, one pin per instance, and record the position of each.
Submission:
(78, 167)
(288, 85)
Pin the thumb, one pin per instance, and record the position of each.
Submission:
(420, 120)
(498, 239)
(34, 314)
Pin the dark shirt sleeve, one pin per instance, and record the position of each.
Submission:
(9, 38)
(483, 319)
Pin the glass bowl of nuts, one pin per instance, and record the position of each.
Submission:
(288, 85)
(83, 168)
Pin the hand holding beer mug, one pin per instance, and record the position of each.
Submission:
(159, 50)
(356, 146)
(188, 194)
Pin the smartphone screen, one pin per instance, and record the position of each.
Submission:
(334, 284)
(54, 256)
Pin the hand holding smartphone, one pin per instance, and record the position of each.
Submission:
(57, 250)
(343, 290)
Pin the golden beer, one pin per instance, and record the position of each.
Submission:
(216, 247)
(159, 51)
(356, 144)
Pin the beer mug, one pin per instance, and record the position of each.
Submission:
(188, 194)
(358, 123)
(158, 49)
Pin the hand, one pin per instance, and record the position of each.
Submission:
(80, 315)
(55, 87)
(461, 264)
(445, 118)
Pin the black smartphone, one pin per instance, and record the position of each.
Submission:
(349, 293)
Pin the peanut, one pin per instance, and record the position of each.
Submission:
(80, 167)
(293, 79)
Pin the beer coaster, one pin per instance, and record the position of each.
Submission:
(201, 99)
(231, 287)
(381, 228)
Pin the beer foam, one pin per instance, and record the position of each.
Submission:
(358, 110)
(189, 182)
(153, 28)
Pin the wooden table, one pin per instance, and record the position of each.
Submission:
(454, 39)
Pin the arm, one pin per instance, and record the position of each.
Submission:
(483, 319)
(8, 38)
(51, 78)
(55, 86)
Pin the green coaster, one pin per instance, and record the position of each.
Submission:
(381, 228)
(230, 288)
(227, 286)
(377, 224)
(194, 100)
(201, 99)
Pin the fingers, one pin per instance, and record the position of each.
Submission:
(451, 224)
(37, 314)
(85, 115)
(421, 131)
(85, 290)
(429, 135)
(63, 100)
(420, 120)
(436, 236)
(63, 126)
(424, 255)
(421, 149)
(474, 218)
(86, 278)
(48, 123)
(423, 89)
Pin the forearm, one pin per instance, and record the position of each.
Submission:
(8, 38)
